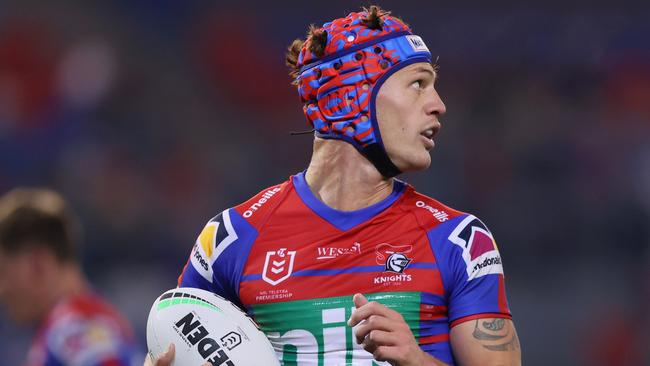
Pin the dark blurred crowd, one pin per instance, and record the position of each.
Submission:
(153, 116)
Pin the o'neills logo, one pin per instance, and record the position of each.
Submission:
(440, 215)
(265, 197)
(195, 334)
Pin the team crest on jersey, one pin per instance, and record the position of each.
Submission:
(278, 265)
(384, 251)
(395, 260)
(480, 251)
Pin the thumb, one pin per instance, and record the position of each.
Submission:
(359, 300)
(167, 357)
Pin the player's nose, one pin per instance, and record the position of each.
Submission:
(435, 105)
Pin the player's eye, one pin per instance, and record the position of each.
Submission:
(418, 84)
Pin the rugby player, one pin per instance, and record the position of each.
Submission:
(343, 264)
(41, 284)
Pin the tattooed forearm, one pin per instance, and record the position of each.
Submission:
(496, 335)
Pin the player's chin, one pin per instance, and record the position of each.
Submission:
(414, 162)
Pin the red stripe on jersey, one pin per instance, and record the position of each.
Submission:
(111, 363)
(432, 312)
(479, 316)
(310, 287)
(503, 303)
(434, 339)
(180, 277)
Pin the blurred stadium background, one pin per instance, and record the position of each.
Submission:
(153, 116)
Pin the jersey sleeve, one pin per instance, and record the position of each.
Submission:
(218, 256)
(96, 341)
(471, 270)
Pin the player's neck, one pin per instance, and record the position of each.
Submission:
(343, 179)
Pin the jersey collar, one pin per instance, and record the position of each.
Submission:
(344, 220)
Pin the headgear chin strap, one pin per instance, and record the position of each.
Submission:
(339, 88)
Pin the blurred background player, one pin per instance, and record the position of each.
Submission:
(42, 284)
(298, 255)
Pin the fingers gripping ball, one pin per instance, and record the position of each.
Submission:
(205, 328)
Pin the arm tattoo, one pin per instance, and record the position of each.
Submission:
(496, 335)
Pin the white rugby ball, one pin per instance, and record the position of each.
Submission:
(205, 327)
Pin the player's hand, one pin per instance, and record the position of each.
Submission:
(166, 358)
(384, 333)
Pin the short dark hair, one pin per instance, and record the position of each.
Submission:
(317, 38)
(31, 217)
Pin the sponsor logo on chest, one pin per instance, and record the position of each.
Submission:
(329, 252)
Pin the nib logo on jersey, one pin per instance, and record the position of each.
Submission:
(395, 262)
(480, 251)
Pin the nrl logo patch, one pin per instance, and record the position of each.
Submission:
(278, 266)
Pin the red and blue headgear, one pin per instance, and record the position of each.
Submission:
(339, 88)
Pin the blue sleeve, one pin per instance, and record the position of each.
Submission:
(219, 254)
(471, 269)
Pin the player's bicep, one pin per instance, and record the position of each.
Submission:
(485, 342)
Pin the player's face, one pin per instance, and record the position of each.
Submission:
(19, 290)
(408, 108)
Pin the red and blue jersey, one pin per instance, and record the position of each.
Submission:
(83, 330)
(294, 263)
